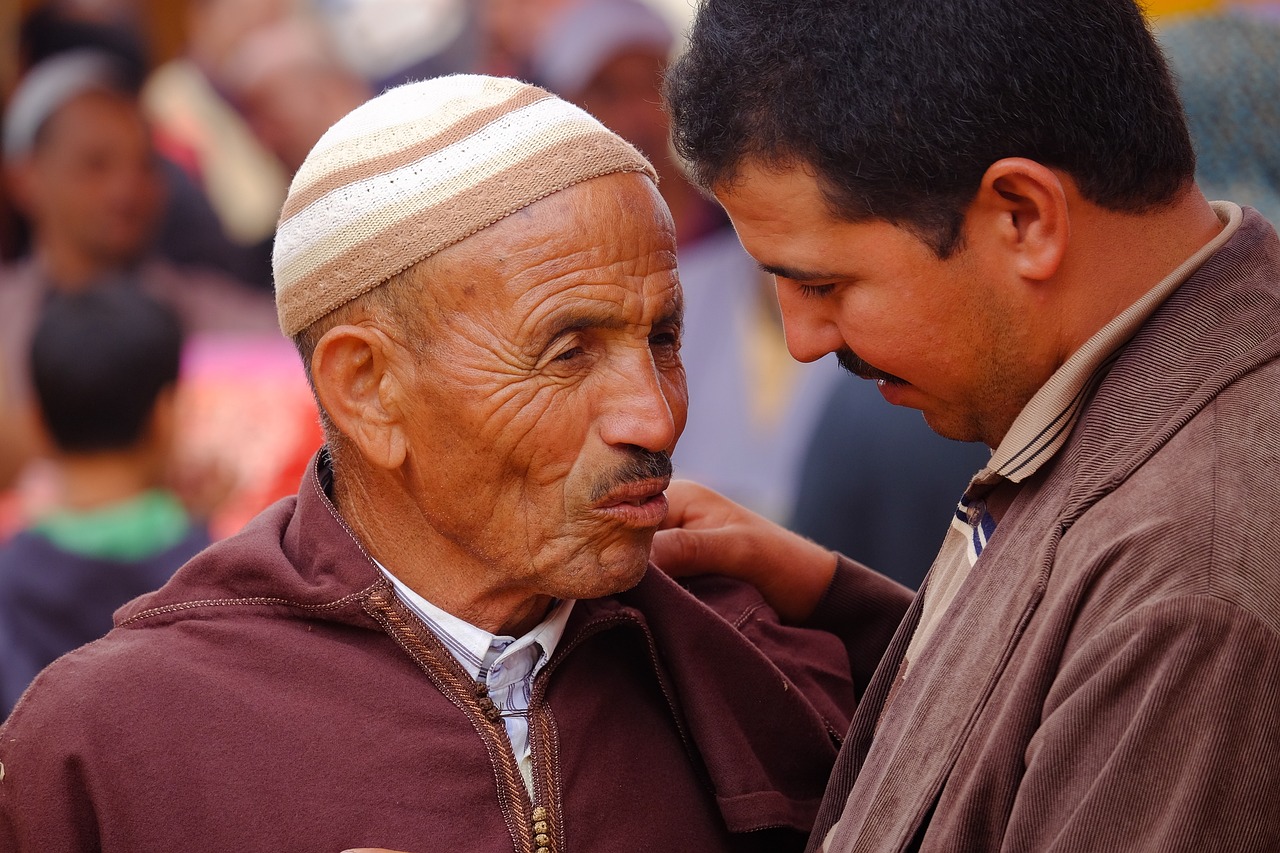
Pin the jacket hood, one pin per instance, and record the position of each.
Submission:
(297, 555)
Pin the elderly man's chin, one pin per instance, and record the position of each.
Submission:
(598, 571)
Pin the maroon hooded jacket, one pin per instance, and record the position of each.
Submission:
(277, 696)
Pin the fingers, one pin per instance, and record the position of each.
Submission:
(706, 533)
(683, 499)
(692, 505)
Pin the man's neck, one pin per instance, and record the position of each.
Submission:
(458, 582)
(1113, 261)
(92, 481)
(68, 267)
(1117, 257)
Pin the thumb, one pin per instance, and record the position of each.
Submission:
(684, 551)
(675, 551)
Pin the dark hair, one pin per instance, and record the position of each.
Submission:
(99, 360)
(47, 31)
(900, 106)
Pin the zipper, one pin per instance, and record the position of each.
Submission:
(528, 824)
(471, 698)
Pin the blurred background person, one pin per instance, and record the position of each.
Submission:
(189, 232)
(258, 81)
(104, 366)
(82, 167)
(288, 82)
(512, 30)
(800, 443)
(81, 164)
(1226, 59)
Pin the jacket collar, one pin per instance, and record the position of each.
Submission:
(300, 558)
(296, 555)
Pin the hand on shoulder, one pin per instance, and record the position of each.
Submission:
(706, 533)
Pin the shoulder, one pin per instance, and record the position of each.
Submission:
(1199, 647)
(72, 700)
(18, 556)
(726, 624)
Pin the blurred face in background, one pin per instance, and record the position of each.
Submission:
(290, 108)
(92, 184)
(624, 95)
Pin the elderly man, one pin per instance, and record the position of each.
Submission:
(988, 207)
(451, 640)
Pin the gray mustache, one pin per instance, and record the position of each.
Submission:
(643, 465)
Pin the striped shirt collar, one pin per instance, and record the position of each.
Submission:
(1043, 425)
(474, 647)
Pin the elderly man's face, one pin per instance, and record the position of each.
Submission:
(550, 392)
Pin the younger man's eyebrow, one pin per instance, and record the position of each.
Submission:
(796, 274)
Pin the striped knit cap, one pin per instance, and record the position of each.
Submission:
(419, 168)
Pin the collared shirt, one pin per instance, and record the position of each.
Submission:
(505, 665)
(1038, 432)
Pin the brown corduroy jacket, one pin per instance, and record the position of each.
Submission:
(276, 696)
(1108, 678)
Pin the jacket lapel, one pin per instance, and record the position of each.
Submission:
(946, 689)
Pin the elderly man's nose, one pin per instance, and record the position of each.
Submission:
(639, 414)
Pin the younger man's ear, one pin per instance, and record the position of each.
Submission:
(351, 370)
(1027, 203)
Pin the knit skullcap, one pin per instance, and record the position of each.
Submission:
(419, 168)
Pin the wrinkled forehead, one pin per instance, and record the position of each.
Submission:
(609, 241)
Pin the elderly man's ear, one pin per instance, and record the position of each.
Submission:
(354, 369)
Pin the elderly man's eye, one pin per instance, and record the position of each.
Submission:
(665, 339)
(569, 354)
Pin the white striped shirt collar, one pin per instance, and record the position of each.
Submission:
(471, 645)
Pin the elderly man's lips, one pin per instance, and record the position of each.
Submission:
(640, 504)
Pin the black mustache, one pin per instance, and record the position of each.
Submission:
(853, 363)
(642, 465)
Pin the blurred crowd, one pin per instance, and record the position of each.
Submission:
(147, 147)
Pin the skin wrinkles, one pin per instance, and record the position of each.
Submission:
(550, 374)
